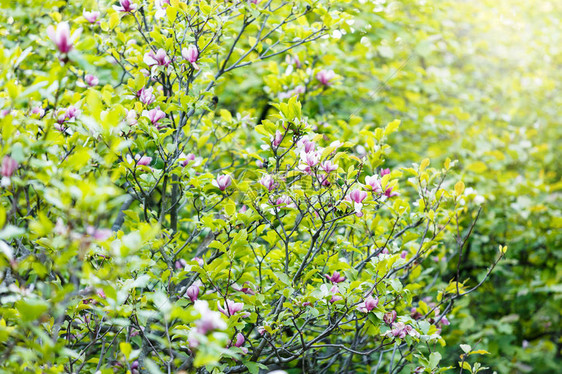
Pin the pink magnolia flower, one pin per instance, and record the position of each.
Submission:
(324, 180)
(328, 166)
(125, 6)
(325, 76)
(159, 58)
(415, 314)
(398, 330)
(199, 261)
(305, 144)
(91, 80)
(403, 254)
(69, 114)
(101, 293)
(98, 234)
(209, 320)
(373, 183)
(268, 182)
(335, 290)
(357, 197)
(154, 115)
(191, 55)
(180, 264)
(444, 321)
(246, 290)
(277, 139)
(38, 111)
(132, 117)
(91, 17)
(335, 277)
(146, 96)
(240, 342)
(160, 9)
(186, 159)
(385, 172)
(369, 304)
(389, 193)
(230, 308)
(285, 201)
(193, 290)
(309, 160)
(9, 166)
(144, 160)
(222, 182)
(60, 36)
(293, 60)
(389, 317)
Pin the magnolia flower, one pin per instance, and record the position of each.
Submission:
(199, 261)
(180, 264)
(285, 201)
(38, 111)
(160, 11)
(191, 55)
(60, 36)
(159, 58)
(334, 290)
(373, 183)
(222, 182)
(325, 76)
(277, 139)
(335, 277)
(230, 308)
(293, 60)
(98, 234)
(193, 290)
(385, 172)
(143, 161)
(240, 341)
(68, 114)
(400, 330)
(328, 166)
(125, 6)
(146, 96)
(389, 317)
(186, 159)
(154, 115)
(305, 144)
(369, 304)
(209, 320)
(357, 197)
(323, 180)
(91, 17)
(246, 290)
(9, 167)
(268, 182)
(309, 160)
(91, 80)
(389, 193)
(131, 117)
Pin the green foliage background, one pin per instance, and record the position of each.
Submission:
(474, 81)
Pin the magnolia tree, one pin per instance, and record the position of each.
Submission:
(146, 228)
